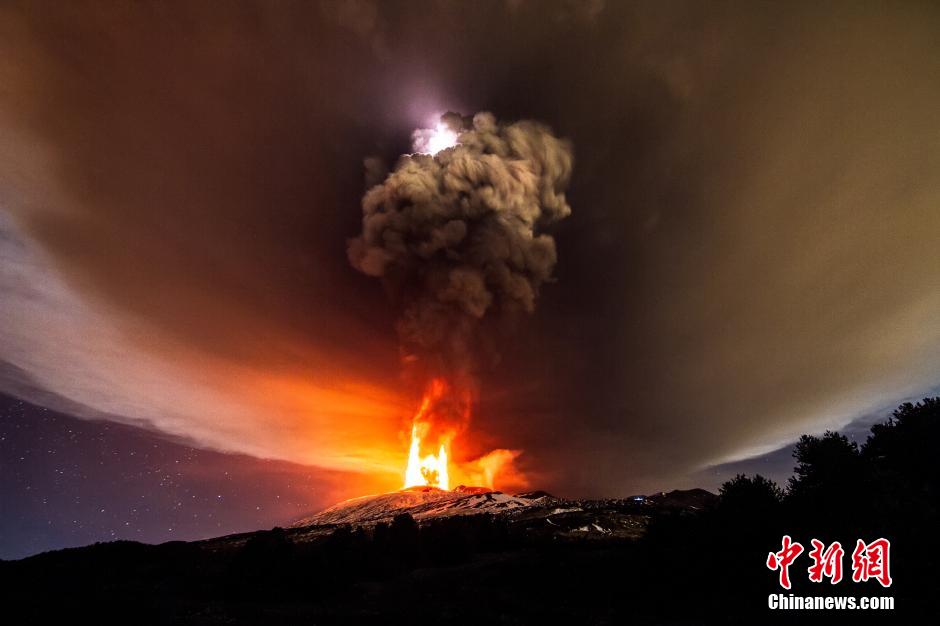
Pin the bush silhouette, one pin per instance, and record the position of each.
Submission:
(757, 494)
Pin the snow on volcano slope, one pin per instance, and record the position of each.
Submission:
(420, 502)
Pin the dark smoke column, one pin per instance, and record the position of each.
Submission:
(455, 237)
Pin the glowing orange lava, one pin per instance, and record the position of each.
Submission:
(441, 419)
(434, 426)
(430, 470)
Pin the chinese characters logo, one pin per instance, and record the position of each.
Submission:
(869, 561)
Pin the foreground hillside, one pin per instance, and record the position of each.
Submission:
(536, 512)
(477, 557)
(679, 563)
(534, 516)
(469, 555)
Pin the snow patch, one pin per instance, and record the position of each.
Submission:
(419, 503)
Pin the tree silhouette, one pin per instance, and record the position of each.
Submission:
(825, 465)
(742, 493)
(903, 449)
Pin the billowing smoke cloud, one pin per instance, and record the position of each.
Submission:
(456, 236)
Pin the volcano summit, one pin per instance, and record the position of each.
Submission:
(422, 503)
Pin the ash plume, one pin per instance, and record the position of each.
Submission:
(456, 237)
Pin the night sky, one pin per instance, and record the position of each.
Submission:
(70, 482)
(753, 249)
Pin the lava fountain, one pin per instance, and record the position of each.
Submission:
(430, 470)
(443, 413)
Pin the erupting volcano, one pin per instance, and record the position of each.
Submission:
(455, 233)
